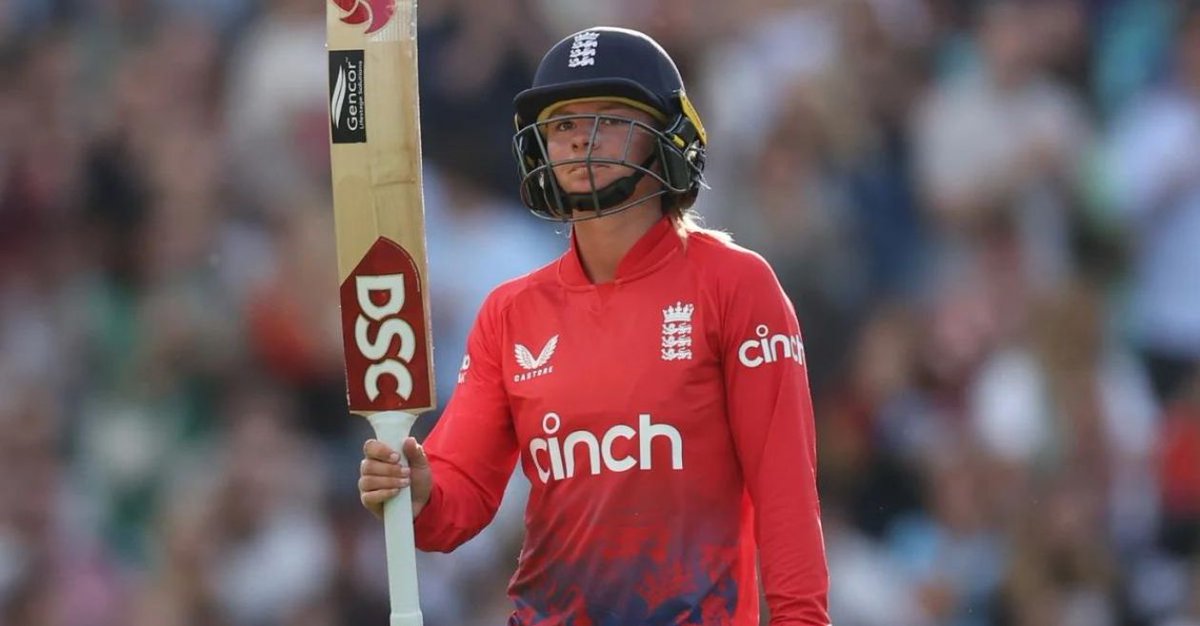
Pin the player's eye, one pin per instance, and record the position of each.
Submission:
(563, 126)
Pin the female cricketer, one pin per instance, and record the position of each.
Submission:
(651, 381)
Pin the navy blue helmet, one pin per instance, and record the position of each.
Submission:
(628, 67)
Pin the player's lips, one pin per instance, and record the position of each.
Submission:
(583, 167)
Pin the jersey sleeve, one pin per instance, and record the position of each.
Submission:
(771, 419)
(472, 449)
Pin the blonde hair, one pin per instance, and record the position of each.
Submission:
(692, 222)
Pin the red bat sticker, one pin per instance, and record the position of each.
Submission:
(375, 13)
(383, 324)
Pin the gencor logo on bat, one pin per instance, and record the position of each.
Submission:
(347, 101)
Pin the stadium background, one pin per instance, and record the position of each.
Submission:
(987, 214)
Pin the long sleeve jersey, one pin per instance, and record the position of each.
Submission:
(665, 424)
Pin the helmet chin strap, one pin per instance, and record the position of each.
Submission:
(613, 194)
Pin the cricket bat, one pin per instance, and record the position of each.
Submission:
(375, 149)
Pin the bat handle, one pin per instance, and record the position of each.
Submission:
(392, 427)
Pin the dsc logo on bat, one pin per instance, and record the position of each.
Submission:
(385, 322)
(387, 360)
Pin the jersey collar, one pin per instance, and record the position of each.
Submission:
(653, 249)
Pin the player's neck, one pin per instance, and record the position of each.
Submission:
(602, 243)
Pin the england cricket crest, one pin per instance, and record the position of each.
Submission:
(677, 332)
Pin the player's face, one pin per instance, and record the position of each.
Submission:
(596, 130)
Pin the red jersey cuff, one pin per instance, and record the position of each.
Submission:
(425, 524)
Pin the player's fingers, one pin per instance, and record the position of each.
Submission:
(374, 500)
(378, 450)
(371, 467)
(369, 484)
(415, 453)
(379, 496)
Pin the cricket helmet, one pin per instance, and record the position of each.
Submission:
(609, 64)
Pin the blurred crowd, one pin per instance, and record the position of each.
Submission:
(987, 214)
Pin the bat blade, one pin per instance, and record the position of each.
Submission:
(375, 149)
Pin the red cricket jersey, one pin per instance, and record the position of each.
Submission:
(665, 423)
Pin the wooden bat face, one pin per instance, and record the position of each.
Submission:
(375, 147)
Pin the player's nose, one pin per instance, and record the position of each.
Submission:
(581, 142)
(583, 135)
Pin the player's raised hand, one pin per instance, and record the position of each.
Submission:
(381, 477)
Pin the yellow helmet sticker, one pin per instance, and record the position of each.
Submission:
(689, 111)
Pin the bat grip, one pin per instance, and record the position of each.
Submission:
(392, 427)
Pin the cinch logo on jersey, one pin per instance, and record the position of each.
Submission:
(534, 367)
(770, 348)
(583, 49)
(559, 453)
